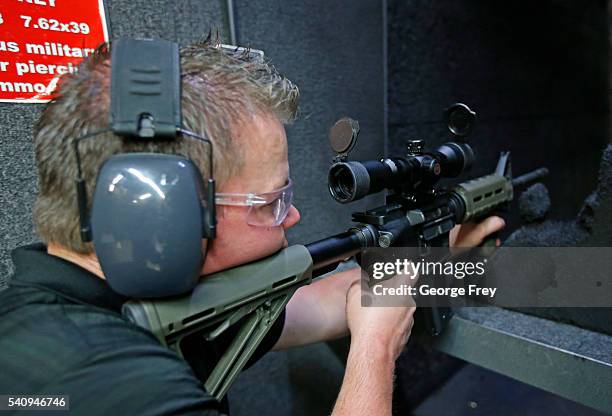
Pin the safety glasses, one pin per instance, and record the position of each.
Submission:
(267, 209)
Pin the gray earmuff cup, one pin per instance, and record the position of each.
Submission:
(147, 224)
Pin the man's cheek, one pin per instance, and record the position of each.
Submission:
(275, 238)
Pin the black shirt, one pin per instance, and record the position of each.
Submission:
(62, 333)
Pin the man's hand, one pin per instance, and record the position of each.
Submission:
(378, 336)
(384, 330)
(473, 234)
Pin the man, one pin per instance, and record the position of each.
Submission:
(62, 332)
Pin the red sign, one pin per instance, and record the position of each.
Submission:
(42, 39)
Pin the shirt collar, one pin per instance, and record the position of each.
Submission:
(33, 266)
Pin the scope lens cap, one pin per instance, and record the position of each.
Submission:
(460, 119)
(343, 135)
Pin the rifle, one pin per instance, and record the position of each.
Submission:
(415, 211)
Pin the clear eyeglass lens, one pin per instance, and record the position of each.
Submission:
(273, 213)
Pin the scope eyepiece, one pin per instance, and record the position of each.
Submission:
(348, 181)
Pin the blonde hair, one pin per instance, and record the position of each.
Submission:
(220, 90)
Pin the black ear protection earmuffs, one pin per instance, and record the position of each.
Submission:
(152, 214)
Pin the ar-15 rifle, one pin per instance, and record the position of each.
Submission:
(415, 212)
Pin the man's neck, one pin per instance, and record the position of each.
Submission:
(88, 262)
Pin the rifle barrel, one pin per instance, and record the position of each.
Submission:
(530, 177)
(331, 251)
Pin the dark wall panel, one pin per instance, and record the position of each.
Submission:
(333, 51)
(17, 180)
(535, 72)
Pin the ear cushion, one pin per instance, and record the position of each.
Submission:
(147, 224)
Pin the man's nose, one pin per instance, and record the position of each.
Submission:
(293, 217)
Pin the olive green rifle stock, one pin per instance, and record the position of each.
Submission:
(258, 291)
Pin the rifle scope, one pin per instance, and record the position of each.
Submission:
(352, 180)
